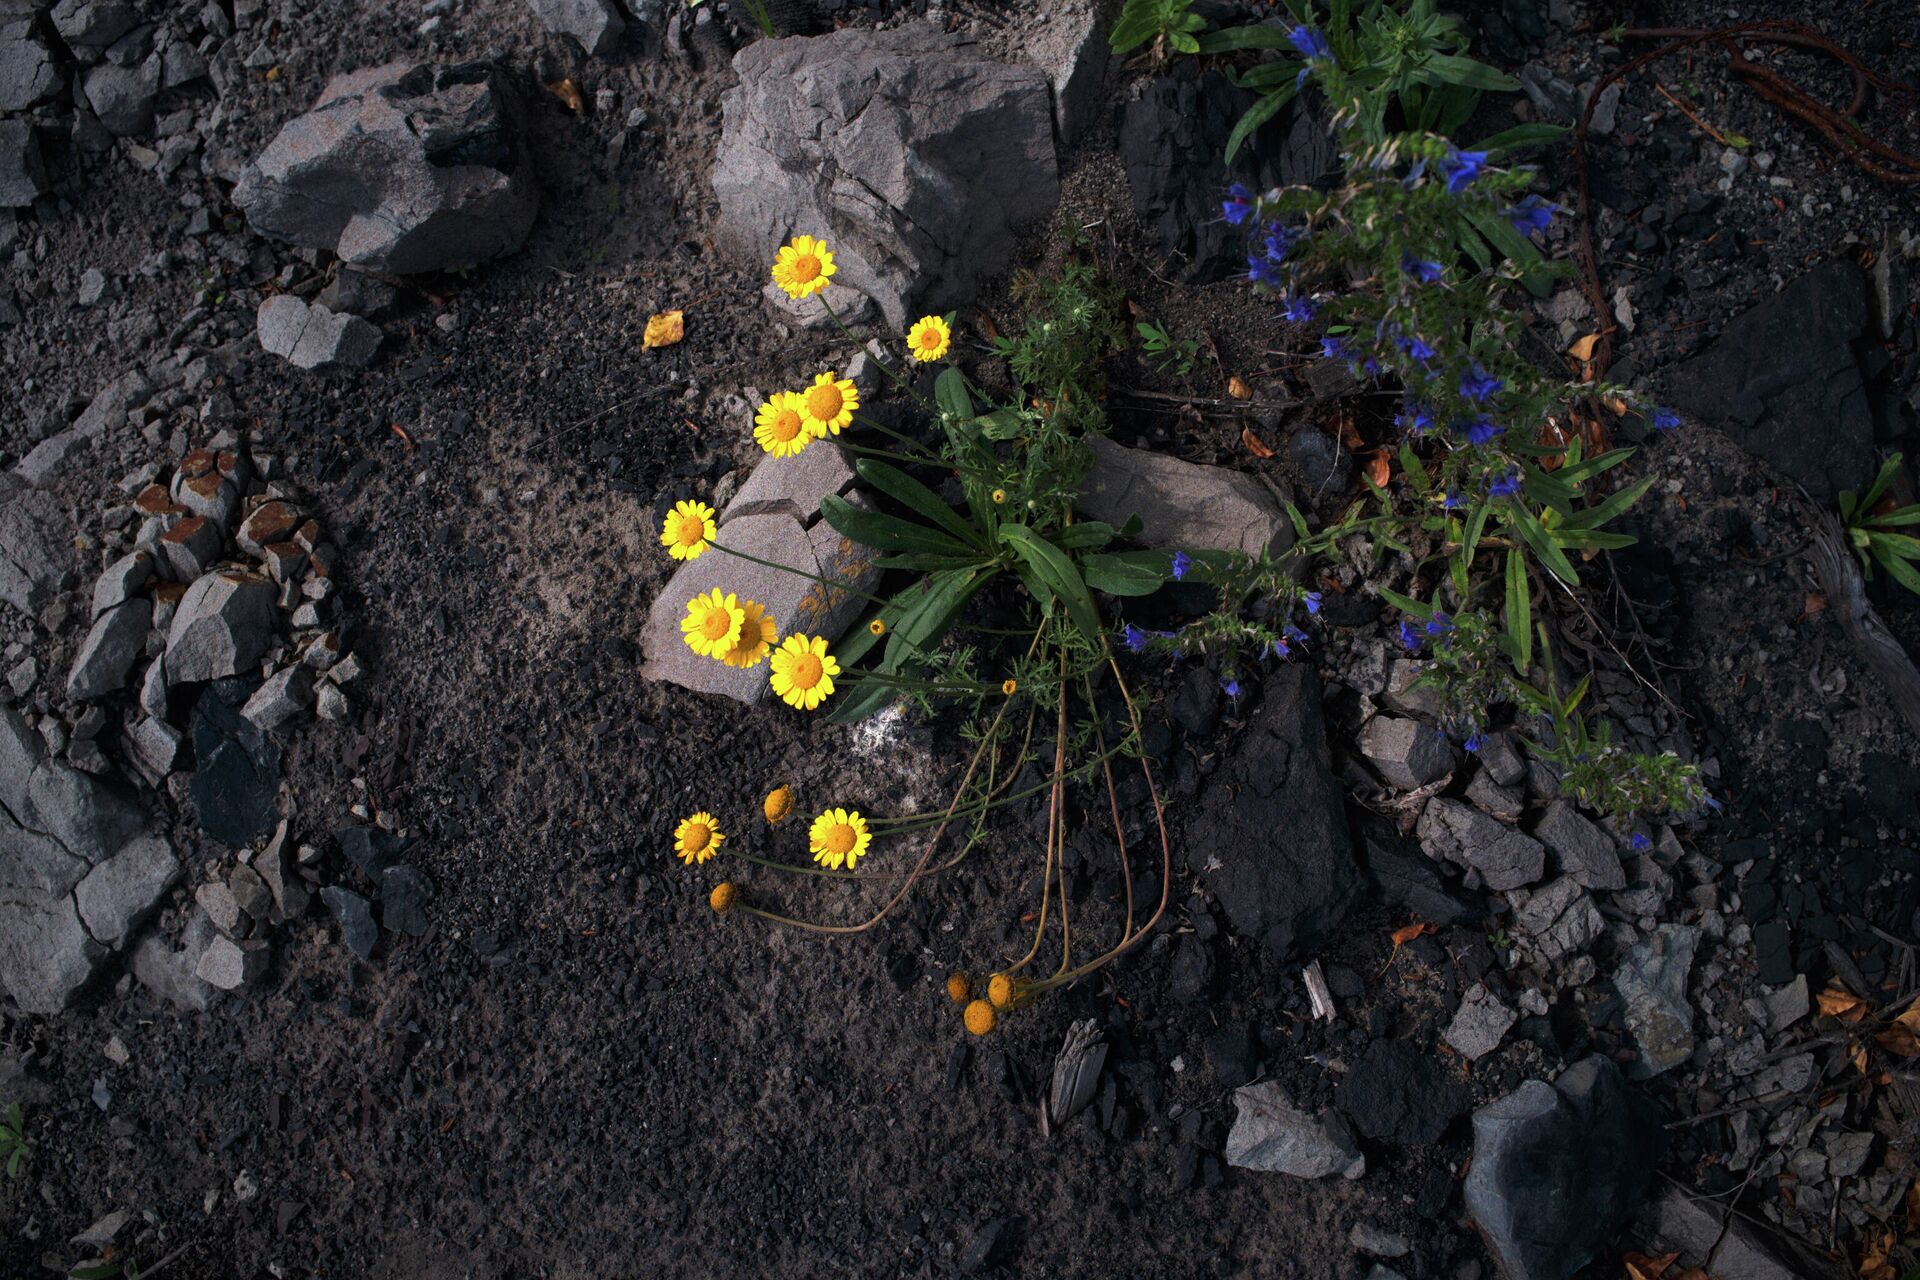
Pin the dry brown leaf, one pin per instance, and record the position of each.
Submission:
(1418, 929)
(1858, 1056)
(1838, 1002)
(1900, 1041)
(1379, 470)
(569, 92)
(1874, 1254)
(1582, 348)
(1237, 388)
(1911, 1018)
(664, 330)
(1816, 603)
(1350, 434)
(1616, 406)
(1255, 445)
(1641, 1267)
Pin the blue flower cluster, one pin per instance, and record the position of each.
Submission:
(1434, 631)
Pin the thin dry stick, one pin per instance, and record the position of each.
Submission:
(1056, 805)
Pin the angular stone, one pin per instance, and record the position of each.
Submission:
(251, 892)
(793, 486)
(122, 97)
(797, 604)
(330, 704)
(404, 894)
(1268, 831)
(89, 26)
(1182, 504)
(1461, 834)
(290, 894)
(917, 158)
(1726, 1247)
(1271, 1135)
(231, 965)
(1559, 920)
(1652, 982)
(280, 697)
(23, 171)
(1559, 1169)
(35, 867)
(1499, 758)
(224, 625)
(1072, 49)
(357, 929)
(155, 744)
(1406, 753)
(267, 523)
(28, 73)
(170, 971)
(1394, 1093)
(189, 547)
(233, 793)
(596, 24)
(119, 893)
(402, 168)
(1402, 877)
(1479, 1024)
(122, 579)
(1504, 804)
(46, 955)
(36, 546)
(89, 817)
(106, 656)
(312, 337)
(216, 898)
(1582, 849)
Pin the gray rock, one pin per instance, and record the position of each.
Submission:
(312, 337)
(359, 293)
(1270, 1135)
(1652, 982)
(170, 972)
(251, 892)
(1405, 694)
(404, 894)
(89, 26)
(122, 97)
(793, 486)
(290, 895)
(36, 546)
(28, 73)
(402, 168)
(217, 899)
(596, 24)
(1072, 49)
(1406, 753)
(357, 929)
(1787, 1005)
(1480, 1024)
(1581, 849)
(35, 867)
(330, 703)
(106, 656)
(23, 171)
(1182, 504)
(155, 744)
(280, 697)
(190, 547)
(916, 158)
(231, 965)
(796, 604)
(1727, 1247)
(1378, 1241)
(1559, 920)
(1505, 804)
(1461, 834)
(1559, 1169)
(20, 753)
(46, 955)
(122, 579)
(223, 625)
(116, 896)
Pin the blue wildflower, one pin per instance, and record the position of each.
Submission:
(1416, 348)
(1481, 430)
(1461, 168)
(1478, 386)
(1665, 419)
(1409, 637)
(1504, 486)
(1332, 348)
(1312, 601)
(1310, 42)
(1280, 649)
(1295, 635)
(1439, 624)
(1640, 841)
(1297, 309)
(1264, 270)
(1370, 367)
(1134, 638)
(1280, 241)
(1421, 269)
(1474, 742)
(1531, 215)
(1414, 418)
(1237, 205)
(1414, 173)
(1453, 501)
(1231, 686)
(1181, 563)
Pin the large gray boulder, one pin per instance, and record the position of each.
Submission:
(1182, 504)
(917, 158)
(28, 73)
(117, 637)
(402, 168)
(23, 171)
(312, 337)
(36, 545)
(596, 24)
(222, 626)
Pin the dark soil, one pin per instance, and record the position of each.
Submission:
(579, 1070)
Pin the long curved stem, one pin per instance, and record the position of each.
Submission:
(847, 587)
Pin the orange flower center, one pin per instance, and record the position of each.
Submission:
(716, 624)
(805, 268)
(929, 338)
(806, 671)
(698, 836)
(687, 530)
(840, 838)
(786, 425)
(824, 402)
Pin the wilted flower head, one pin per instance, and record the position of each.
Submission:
(1665, 419)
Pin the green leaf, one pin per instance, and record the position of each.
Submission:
(950, 394)
(1894, 519)
(883, 532)
(1415, 473)
(1576, 471)
(926, 561)
(1901, 572)
(1263, 110)
(1406, 604)
(1888, 470)
(1051, 566)
(1125, 573)
(1521, 137)
(1598, 538)
(1183, 42)
(1519, 611)
(1603, 512)
(1300, 529)
(1476, 524)
(1002, 424)
(1084, 535)
(1543, 546)
(909, 492)
(1445, 68)
(1234, 39)
(1900, 544)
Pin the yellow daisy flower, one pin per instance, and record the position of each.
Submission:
(829, 404)
(713, 623)
(839, 837)
(781, 425)
(756, 637)
(724, 895)
(698, 838)
(688, 530)
(929, 339)
(980, 1017)
(1009, 687)
(803, 671)
(777, 805)
(878, 626)
(803, 267)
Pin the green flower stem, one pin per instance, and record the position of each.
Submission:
(927, 455)
(847, 587)
(885, 367)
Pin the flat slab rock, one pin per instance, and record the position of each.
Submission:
(1182, 504)
(916, 157)
(36, 546)
(312, 337)
(765, 519)
(1271, 1135)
